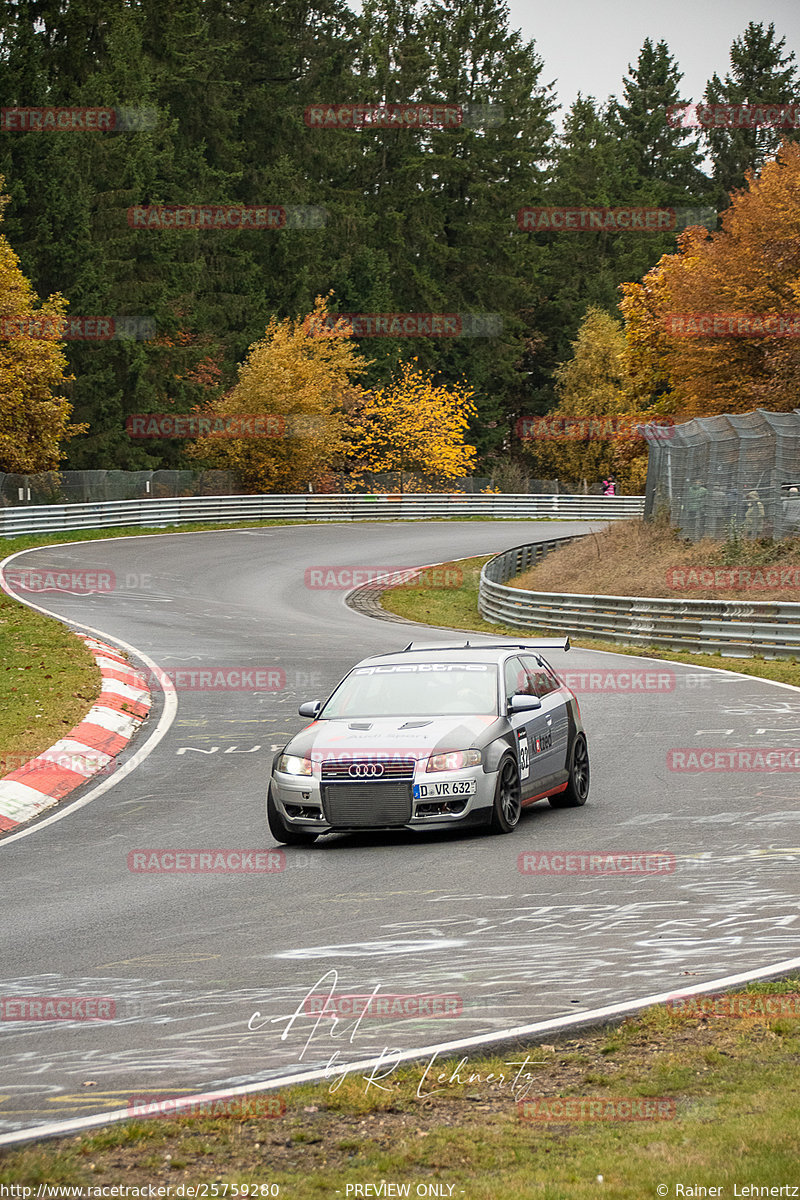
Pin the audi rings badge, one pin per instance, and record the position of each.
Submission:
(366, 770)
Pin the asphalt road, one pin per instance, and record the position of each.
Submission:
(188, 959)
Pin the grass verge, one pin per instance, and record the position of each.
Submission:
(48, 681)
(726, 1110)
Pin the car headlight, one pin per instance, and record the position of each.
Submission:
(455, 760)
(292, 764)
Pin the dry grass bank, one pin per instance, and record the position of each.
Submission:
(637, 558)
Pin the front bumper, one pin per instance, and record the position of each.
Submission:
(320, 806)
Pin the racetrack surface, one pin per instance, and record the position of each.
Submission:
(188, 959)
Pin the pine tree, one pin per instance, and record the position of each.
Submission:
(625, 153)
(444, 199)
(582, 268)
(664, 157)
(760, 74)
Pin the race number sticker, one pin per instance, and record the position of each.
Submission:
(524, 756)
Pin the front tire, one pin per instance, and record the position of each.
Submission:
(577, 788)
(507, 806)
(283, 832)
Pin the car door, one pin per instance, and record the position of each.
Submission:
(529, 729)
(553, 747)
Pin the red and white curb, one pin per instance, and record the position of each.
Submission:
(88, 749)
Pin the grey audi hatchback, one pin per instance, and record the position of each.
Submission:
(432, 737)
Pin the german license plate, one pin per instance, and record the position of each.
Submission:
(445, 790)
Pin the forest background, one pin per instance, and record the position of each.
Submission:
(413, 220)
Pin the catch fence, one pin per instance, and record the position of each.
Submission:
(733, 474)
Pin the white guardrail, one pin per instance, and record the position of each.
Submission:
(731, 628)
(417, 506)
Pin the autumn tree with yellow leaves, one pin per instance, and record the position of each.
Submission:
(289, 405)
(594, 428)
(412, 427)
(34, 421)
(716, 327)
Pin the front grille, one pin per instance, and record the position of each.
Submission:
(365, 805)
(362, 770)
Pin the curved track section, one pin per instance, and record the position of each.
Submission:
(209, 972)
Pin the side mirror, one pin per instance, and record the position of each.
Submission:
(523, 703)
(310, 708)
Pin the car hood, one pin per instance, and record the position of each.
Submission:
(409, 737)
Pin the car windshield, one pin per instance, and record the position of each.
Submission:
(427, 689)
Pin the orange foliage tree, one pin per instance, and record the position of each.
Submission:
(298, 380)
(33, 420)
(716, 327)
(413, 426)
(594, 428)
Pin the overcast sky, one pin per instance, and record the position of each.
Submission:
(587, 46)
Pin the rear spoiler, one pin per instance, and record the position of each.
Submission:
(561, 643)
(549, 644)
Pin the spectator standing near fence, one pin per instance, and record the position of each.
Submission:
(791, 511)
(695, 505)
(754, 516)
